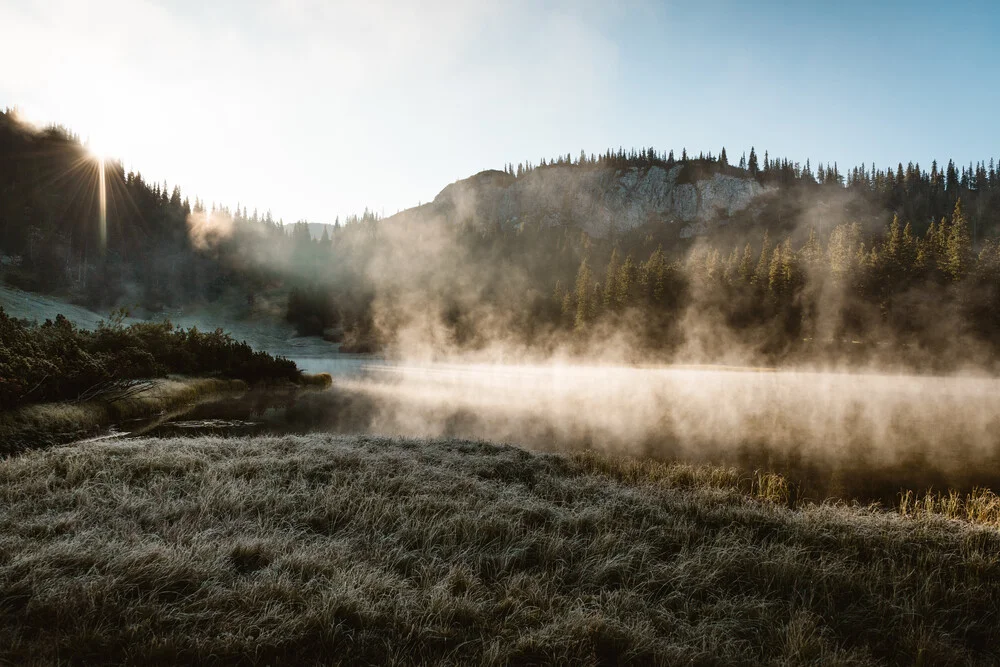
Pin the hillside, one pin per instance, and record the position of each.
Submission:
(263, 332)
(767, 262)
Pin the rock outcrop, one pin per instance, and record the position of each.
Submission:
(599, 200)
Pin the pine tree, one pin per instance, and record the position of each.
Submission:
(610, 276)
(789, 267)
(763, 263)
(959, 252)
(908, 257)
(940, 244)
(567, 309)
(711, 263)
(775, 282)
(841, 249)
(894, 241)
(812, 252)
(745, 270)
(655, 270)
(583, 287)
(624, 283)
(731, 267)
(752, 165)
(951, 177)
(594, 306)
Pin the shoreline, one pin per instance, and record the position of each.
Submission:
(42, 425)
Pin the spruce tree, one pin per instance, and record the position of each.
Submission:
(941, 245)
(583, 280)
(731, 267)
(959, 250)
(746, 264)
(763, 263)
(775, 282)
(909, 251)
(655, 270)
(624, 283)
(812, 252)
(789, 267)
(610, 276)
(567, 310)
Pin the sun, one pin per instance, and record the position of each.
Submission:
(97, 150)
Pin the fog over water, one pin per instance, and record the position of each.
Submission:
(476, 348)
(859, 435)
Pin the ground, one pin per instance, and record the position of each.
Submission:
(365, 550)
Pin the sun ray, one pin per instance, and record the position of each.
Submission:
(102, 204)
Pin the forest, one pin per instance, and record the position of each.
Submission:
(900, 264)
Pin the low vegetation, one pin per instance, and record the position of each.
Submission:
(56, 361)
(365, 550)
(48, 424)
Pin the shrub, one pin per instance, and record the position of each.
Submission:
(56, 361)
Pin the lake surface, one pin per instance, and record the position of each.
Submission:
(863, 436)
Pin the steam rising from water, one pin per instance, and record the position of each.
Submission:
(433, 288)
(842, 434)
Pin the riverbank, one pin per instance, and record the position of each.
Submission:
(366, 550)
(47, 424)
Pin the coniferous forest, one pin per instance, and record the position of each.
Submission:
(898, 264)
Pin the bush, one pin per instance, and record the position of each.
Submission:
(56, 361)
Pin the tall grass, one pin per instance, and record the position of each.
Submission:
(982, 506)
(365, 550)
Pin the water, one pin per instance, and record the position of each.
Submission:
(864, 436)
(340, 365)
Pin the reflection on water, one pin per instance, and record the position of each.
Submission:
(341, 365)
(847, 435)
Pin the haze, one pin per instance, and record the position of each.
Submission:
(316, 110)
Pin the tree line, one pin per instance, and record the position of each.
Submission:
(887, 247)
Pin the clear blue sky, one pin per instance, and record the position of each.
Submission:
(316, 109)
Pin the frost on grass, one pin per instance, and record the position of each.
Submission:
(366, 550)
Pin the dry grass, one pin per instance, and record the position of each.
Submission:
(982, 506)
(635, 471)
(364, 550)
(45, 424)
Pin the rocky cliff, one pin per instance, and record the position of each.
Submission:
(599, 200)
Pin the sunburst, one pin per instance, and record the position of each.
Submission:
(100, 156)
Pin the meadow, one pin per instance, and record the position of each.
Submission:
(338, 549)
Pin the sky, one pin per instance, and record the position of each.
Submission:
(315, 109)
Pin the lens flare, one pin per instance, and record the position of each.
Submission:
(102, 221)
(99, 154)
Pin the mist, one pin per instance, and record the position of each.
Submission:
(809, 333)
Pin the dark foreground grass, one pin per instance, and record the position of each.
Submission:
(360, 550)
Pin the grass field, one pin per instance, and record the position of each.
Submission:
(363, 550)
